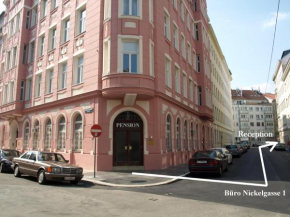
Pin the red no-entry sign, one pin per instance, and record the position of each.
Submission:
(96, 130)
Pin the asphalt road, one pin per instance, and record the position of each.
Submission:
(25, 197)
(248, 169)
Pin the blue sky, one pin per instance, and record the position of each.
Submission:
(245, 32)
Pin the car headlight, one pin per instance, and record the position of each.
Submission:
(55, 170)
(79, 171)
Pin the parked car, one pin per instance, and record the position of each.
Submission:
(225, 152)
(280, 147)
(6, 156)
(245, 147)
(256, 145)
(234, 150)
(246, 143)
(46, 166)
(208, 161)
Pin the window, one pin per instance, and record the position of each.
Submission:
(183, 46)
(185, 131)
(41, 46)
(5, 98)
(151, 10)
(61, 134)
(178, 134)
(83, 15)
(182, 10)
(52, 39)
(11, 27)
(107, 9)
(131, 7)
(195, 5)
(166, 25)
(78, 132)
(189, 53)
(54, 4)
(192, 136)
(130, 56)
(200, 95)
(184, 83)
(22, 90)
(177, 79)
(14, 57)
(17, 22)
(43, 8)
(151, 58)
(66, 25)
(49, 81)
(79, 70)
(26, 135)
(24, 56)
(63, 76)
(8, 60)
(48, 135)
(174, 2)
(27, 24)
(258, 124)
(28, 89)
(168, 72)
(34, 16)
(106, 56)
(198, 63)
(37, 86)
(176, 37)
(196, 32)
(36, 131)
(11, 92)
(194, 61)
(252, 124)
(190, 90)
(31, 52)
(168, 133)
(187, 20)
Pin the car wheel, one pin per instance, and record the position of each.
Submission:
(41, 177)
(16, 171)
(2, 170)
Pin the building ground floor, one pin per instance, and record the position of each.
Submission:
(145, 133)
(222, 136)
(284, 136)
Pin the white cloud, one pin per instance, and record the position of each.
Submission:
(262, 87)
(272, 21)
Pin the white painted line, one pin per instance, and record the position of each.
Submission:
(220, 181)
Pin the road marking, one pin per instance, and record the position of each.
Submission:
(221, 181)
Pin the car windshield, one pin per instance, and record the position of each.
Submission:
(50, 157)
(11, 153)
(231, 146)
(204, 154)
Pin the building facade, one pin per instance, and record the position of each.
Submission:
(221, 78)
(281, 79)
(253, 116)
(138, 68)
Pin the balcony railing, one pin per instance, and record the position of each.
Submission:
(244, 119)
(244, 111)
(268, 112)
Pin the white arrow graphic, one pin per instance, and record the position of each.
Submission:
(221, 181)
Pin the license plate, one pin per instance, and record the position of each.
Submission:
(201, 161)
(69, 178)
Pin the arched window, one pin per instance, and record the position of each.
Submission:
(168, 133)
(192, 136)
(47, 136)
(26, 136)
(196, 137)
(61, 134)
(178, 134)
(35, 131)
(78, 133)
(185, 133)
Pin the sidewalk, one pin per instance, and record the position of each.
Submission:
(126, 179)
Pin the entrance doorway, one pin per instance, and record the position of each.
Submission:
(128, 140)
(13, 134)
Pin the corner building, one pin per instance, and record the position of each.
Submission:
(138, 68)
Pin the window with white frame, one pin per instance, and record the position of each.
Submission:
(65, 30)
(11, 92)
(130, 56)
(174, 2)
(196, 32)
(196, 93)
(182, 10)
(49, 81)
(198, 63)
(166, 24)
(17, 22)
(5, 98)
(61, 134)
(200, 95)
(168, 133)
(38, 85)
(52, 39)
(81, 17)
(26, 135)
(24, 55)
(36, 130)
(107, 9)
(177, 79)
(31, 52)
(184, 83)
(151, 10)
(11, 28)
(8, 58)
(48, 135)
(189, 53)
(14, 57)
(190, 90)
(43, 11)
(78, 133)
(62, 76)
(27, 22)
(188, 19)
(106, 56)
(34, 16)
(178, 140)
(79, 70)
(176, 37)
(54, 4)
(28, 89)
(194, 63)
(41, 46)
(183, 46)
(22, 90)
(185, 132)
(168, 82)
(131, 7)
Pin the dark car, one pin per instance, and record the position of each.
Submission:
(234, 150)
(6, 157)
(46, 166)
(209, 161)
(245, 147)
(256, 145)
(241, 148)
(280, 147)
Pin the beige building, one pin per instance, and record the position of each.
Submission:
(221, 78)
(282, 91)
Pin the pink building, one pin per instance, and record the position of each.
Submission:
(138, 68)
